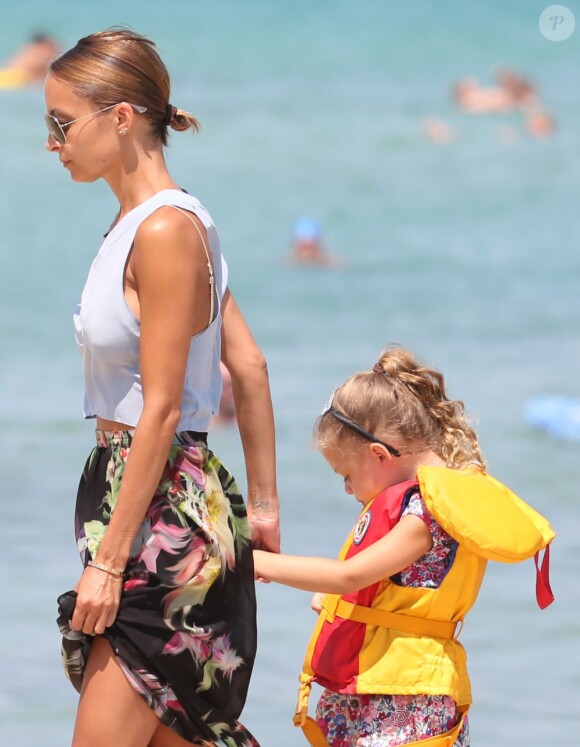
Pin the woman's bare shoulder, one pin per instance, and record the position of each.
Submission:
(170, 235)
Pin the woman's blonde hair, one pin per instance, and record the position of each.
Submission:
(119, 65)
(403, 402)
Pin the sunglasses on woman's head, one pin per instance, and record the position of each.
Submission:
(56, 128)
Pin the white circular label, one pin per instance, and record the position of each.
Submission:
(557, 23)
(361, 528)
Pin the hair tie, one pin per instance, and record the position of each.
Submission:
(171, 112)
(377, 368)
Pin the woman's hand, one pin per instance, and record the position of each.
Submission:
(265, 526)
(98, 596)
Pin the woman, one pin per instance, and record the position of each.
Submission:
(159, 634)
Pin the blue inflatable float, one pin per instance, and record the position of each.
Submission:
(558, 416)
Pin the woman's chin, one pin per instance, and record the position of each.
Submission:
(81, 178)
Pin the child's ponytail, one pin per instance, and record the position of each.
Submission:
(402, 401)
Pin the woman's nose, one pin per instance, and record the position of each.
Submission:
(52, 144)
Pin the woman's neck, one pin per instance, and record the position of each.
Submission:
(139, 177)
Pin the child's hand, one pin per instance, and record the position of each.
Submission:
(316, 602)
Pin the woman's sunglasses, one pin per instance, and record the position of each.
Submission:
(56, 128)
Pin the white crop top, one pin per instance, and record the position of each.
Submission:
(108, 332)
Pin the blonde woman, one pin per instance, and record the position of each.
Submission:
(160, 631)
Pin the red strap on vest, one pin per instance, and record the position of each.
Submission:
(544, 593)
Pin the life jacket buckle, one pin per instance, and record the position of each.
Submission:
(301, 713)
(299, 718)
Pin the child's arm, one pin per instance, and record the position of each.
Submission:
(402, 546)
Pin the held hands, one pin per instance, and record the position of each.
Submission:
(265, 526)
(98, 596)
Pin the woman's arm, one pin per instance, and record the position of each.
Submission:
(169, 270)
(251, 389)
(403, 545)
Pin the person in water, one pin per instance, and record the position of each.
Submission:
(30, 63)
(385, 647)
(308, 246)
(160, 629)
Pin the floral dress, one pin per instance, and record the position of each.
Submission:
(185, 632)
(390, 720)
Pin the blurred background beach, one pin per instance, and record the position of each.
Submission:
(464, 248)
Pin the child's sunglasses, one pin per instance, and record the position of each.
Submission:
(345, 420)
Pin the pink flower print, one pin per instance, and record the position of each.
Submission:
(134, 583)
(111, 467)
(196, 643)
(190, 565)
(163, 538)
(172, 702)
(187, 463)
(152, 682)
(224, 656)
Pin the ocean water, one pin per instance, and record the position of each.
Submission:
(467, 253)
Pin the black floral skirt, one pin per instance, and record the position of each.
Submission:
(185, 632)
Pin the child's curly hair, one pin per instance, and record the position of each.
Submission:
(402, 402)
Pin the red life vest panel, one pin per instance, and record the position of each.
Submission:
(335, 658)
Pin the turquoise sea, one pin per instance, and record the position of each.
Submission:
(465, 252)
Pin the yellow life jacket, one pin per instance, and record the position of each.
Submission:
(392, 639)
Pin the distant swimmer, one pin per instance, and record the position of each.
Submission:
(30, 64)
(437, 131)
(539, 124)
(521, 91)
(308, 246)
(511, 92)
(473, 98)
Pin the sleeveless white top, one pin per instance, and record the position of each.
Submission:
(108, 332)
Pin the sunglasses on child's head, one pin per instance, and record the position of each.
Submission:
(56, 128)
(345, 420)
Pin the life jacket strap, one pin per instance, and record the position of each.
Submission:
(394, 620)
(303, 696)
(544, 593)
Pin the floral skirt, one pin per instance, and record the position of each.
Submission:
(386, 720)
(185, 632)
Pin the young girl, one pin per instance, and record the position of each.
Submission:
(385, 646)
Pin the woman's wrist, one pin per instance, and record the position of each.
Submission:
(263, 502)
(114, 549)
(116, 572)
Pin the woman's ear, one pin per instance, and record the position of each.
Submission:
(124, 118)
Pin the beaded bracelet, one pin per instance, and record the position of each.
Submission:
(106, 568)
